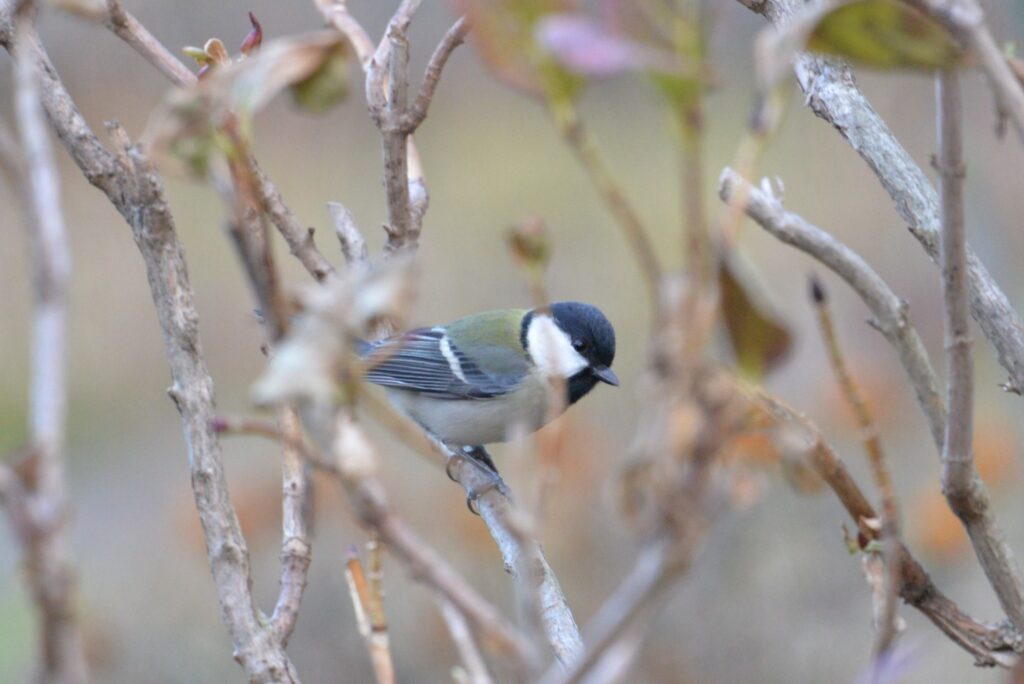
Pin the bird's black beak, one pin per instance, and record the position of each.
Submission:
(605, 374)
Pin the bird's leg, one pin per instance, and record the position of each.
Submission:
(479, 457)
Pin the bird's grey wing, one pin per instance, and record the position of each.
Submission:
(425, 361)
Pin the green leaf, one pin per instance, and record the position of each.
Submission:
(760, 341)
(884, 34)
(328, 85)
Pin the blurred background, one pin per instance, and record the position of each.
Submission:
(773, 596)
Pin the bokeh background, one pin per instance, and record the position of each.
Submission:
(773, 597)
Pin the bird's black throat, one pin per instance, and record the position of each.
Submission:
(580, 384)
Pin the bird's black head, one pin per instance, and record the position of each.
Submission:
(593, 338)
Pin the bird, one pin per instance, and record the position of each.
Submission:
(485, 378)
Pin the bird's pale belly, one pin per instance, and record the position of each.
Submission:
(477, 421)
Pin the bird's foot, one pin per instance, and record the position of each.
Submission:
(479, 457)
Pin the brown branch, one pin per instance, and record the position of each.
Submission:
(989, 644)
(126, 27)
(832, 94)
(960, 481)
(48, 560)
(886, 622)
(370, 617)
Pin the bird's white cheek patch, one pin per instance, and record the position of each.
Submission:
(551, 349)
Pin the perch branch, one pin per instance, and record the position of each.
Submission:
(833, 95)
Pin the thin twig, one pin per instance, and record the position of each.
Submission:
(48, 559)
(989, 644)
(833, 95)
(893, 320)
(298, 238)
(373, 625)
(571, 127)
(886, 627)
(891, 315)
(353, 244)
(432, 76)
(965, 19)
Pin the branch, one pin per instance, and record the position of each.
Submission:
(960, 481)
(965, 19)
(452, 39)
(893, 321)
(886, 618)
(48, 560)
(298, 238)
(832, 94)
(137, 193)
(296, 524)
(353, 244)
(373, 624)
(989, 644)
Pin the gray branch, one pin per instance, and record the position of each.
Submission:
(137, 193)
(833, 95)
(48, 559)
(960, 481)
(893, 321)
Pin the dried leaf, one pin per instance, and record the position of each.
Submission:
(884, 34)
(760, 341)
(328, 85)
(192, 122)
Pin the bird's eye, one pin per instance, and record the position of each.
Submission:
(579, 345)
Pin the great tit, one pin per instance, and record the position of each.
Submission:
(481, 378)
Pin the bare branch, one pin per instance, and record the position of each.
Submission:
(960, 481)
(890, 312)
(886, 619)
(48, 558)
(353, 244)
(296, 523)
(126, 27)
(452, 39)
(893, 321)
(298, 238)
(989, 644)
(832, 94)
(336, 13)
(965, 19)
(373, 625)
